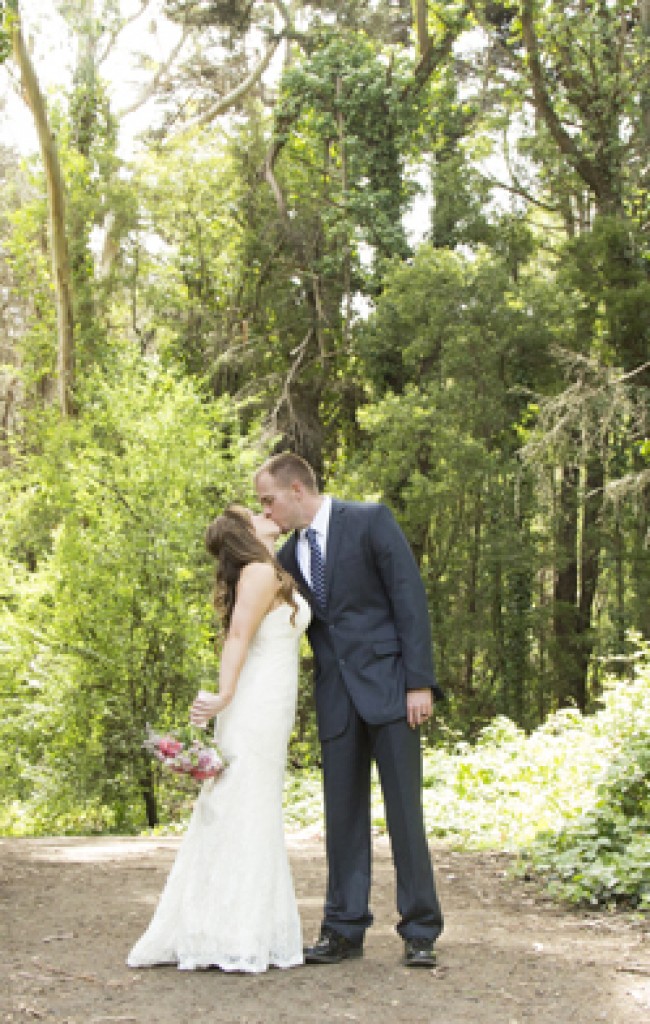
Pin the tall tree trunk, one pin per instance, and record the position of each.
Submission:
(148, 790)
(498, 630)
(577, 573)
(422, 26)
(472, 601)
(519, 596)
(639, 618)
(644, 8)
(543, 674)
(565, 592)
(347, 288)
(85, 99)
(61, 274)
(590, 546)
(619, 613)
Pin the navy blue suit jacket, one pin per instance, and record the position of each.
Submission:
(372, 642)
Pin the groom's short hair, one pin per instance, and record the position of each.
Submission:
(287, 467)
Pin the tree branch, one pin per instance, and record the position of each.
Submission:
(285, 397)
(421, 21)
(286, 14)
(61, 270)
(544, 106)
(233, 97)
(269, 175)
(429, 61)
(115, 34)
(163, 70)
(516, 189)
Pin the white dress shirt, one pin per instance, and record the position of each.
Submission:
(320, 524)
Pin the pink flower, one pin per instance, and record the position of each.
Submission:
(169, 747)
(187, 755)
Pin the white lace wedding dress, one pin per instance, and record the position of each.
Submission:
(229, 900)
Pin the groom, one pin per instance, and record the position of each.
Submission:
(374, 687)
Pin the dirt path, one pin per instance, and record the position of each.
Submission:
(71, 908)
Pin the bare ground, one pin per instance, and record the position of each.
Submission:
(71, 908)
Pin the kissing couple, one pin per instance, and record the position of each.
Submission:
(347, 577)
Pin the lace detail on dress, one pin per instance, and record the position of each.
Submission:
(229, 900)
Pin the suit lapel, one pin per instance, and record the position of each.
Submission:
(292, 565)
(291, 562)
(334, 534)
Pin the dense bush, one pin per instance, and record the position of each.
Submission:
(105, 617)
(604, 856)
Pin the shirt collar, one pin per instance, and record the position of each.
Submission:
(320, 522)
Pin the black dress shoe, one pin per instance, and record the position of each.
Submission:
(419, 953)
(331, 948)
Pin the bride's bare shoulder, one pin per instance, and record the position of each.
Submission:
(257, 587)
(259, 569)
(258, 574)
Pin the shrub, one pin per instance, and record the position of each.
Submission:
(106, 621)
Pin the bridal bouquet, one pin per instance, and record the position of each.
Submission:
(183, 752)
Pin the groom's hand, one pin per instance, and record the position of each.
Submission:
(419, 707)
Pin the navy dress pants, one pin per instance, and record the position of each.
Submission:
(346, 778)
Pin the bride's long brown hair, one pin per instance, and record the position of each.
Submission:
(231, 540)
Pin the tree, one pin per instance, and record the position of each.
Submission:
(448, 354)
(61, 267)
(574, 82)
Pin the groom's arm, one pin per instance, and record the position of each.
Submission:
(403, 585)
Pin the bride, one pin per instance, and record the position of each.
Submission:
(229, 900)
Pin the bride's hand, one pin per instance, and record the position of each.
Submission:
(206, 705)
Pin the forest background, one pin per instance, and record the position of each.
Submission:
(408, 240)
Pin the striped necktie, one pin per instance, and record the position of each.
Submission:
(316, 566)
